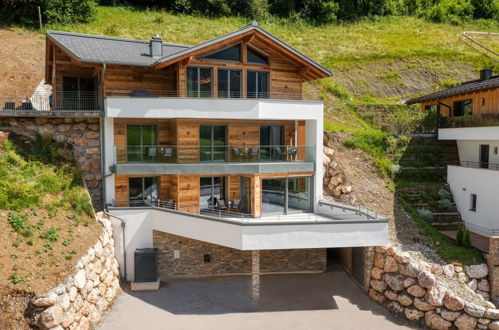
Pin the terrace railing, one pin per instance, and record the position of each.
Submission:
(194, 154)
(209, 94)
(482, 120)
(49, 101)
(490, 166)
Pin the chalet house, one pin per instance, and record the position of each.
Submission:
(210, 152)
(469, 115)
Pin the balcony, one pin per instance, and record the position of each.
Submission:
(334, 225)
(483, 120)
(232, 159)
(43, 103)
(170, 105)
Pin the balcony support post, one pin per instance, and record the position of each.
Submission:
(255, 275)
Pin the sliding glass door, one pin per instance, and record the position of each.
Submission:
(141, 142)
(213, 192)
(271, 142)
(199, 82)
(142, 191)
(286, 195)
(212, 142)
(229, 83)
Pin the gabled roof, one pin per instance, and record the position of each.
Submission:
(464, 88)
(101, 49)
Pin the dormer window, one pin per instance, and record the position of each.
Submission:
(254, 57)
(232, 54)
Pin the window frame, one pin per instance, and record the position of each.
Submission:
(257, 93)
(228, 91)
(260, 54)
(198, 68)
(473, 202)
(204, 57)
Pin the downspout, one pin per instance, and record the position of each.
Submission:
(123, 224)
(102, 139)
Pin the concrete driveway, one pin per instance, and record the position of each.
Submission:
(305, 301)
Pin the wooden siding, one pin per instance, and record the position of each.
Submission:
(483, 102)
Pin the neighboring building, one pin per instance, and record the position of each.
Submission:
(469, 114)
(210, 152)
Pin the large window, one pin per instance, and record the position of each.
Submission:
(213, 193)
(142, 191)
(212, 140)
(199, 82)
(141, 142)
(79, 93)
(232, 54)
(473, 202)
(272, 143)
(258, 84)
(463, 108)
(229, 83)
(254, 57)
(286, 195)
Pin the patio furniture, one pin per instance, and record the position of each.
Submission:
(151, 152)
(292, 152)
(254, 152)
(221, 204)
(140, 93)
(237, 153)
(236, 205)
(277, 153)
(9, 106)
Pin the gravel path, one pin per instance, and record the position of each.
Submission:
(311, 301)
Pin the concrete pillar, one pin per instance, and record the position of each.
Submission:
(493, 263)
(255, 275)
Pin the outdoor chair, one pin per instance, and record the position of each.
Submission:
(151, 152)
(236, 204)
(221, 204)
(237, 153)
(292, 151)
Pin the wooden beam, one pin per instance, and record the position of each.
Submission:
(249, 38)
(303, 70)
(188, 61)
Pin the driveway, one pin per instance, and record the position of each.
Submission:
(302, 301)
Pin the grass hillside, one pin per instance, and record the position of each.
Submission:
(46, 218)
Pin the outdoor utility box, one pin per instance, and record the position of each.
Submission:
(146, 269)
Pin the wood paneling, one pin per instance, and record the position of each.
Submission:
(484, 102)
(234, 187)
(188, 192)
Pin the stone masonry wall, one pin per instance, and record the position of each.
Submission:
(82, 134)
(224, 260)
(443, 297)
(493, 263)
(80, 301)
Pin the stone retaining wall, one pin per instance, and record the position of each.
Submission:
(80, 301)
(443, 296)
(82, 134)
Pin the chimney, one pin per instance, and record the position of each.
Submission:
(485, 74)
(156, 46)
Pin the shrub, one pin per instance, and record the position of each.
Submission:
(443, 194)
(426, 215)
(17, 221)
(25, 12)
(451, 11)
(444, 204)
(459, 236)
(16, 278)
(466, 241)
(51, 234)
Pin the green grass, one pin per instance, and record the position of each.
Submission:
(446, 249)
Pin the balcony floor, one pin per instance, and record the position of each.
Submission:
(216, 168)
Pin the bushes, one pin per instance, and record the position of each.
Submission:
(450, 11)
(25, 12)
(463, 237)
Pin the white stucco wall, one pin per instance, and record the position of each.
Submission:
(469, 133)
(140, 224)
(465, 181)
(469, 150)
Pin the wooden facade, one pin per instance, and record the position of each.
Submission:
(483, 102)
(185, 189)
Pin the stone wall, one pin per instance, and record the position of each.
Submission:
(82, 134)
(443, 296)
(493, 263)
(335, 181)
(80, 301)
(224, 260)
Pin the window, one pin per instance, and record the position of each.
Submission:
(256, 58)
(142, 191)
(228, 54)
(473, 202)
(286, 195)
(257, 84)
(79, 93)
(141, 142)
(198, 82)
(462, 108)
(229, 83)
(272, 143)
(212, 139)
(212, 192)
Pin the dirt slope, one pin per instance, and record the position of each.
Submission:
(22, 57)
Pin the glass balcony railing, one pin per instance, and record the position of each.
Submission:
(214, 153)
